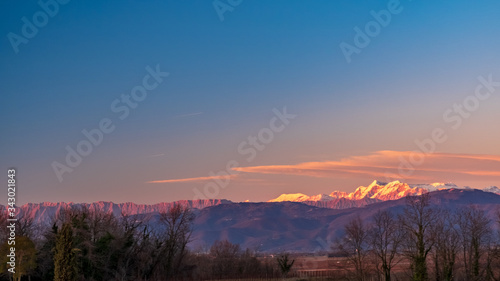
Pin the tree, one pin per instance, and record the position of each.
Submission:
(493, 260)
(64, 258)
(25, 226)
(225, 257)
(354, 245)
(89, 244)
(417, 219)
(168, 244)
(285, 264)
(25, 257)
(446, 247)
(385, 238)
(96, 240)
(250, 265)
(134, 249)
(45, 257)
(475, 234)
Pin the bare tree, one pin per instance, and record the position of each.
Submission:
(385, 238)
(171, 242)
(493, 260)
(475, 234)
(134, 242)
(417, 219)
(285, 264)
(446, 239)
(354, 245)
(25, 226)
(225, 257)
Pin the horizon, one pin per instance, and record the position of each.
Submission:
(191, 101)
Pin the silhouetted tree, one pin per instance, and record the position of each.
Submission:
(64, 258)
(417, 220)
(354, 245)
(475, 234)
(285, 264)
(385, 237)
(45, 257)
(167, 245)
(225, 256)
(493, 260)
(446, 239)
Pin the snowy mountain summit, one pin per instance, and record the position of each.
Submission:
(379, 191)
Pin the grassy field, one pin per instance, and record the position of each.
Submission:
(321, 268)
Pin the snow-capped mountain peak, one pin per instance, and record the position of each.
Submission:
(378, 191)
(295, 197)
(492, 189)
(320, 197)
(338, 194)
(385, 191)
(377, 182)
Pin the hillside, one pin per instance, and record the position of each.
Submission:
(273, 226)
(295, 226)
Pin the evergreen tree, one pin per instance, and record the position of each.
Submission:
(64, 258)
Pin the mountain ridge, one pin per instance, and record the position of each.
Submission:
(296, 226)
(276, 226)
(378, 191)
(44, 212)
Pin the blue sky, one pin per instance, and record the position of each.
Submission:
(225, 79)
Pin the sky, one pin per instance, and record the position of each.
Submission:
(155, 101)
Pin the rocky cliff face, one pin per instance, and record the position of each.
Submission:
(45, 212)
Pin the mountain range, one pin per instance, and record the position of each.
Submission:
(377, 191)
(295, 226)
(44, 213)
(292, 222)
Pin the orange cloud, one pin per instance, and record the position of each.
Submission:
(198, 179)
(391, 165)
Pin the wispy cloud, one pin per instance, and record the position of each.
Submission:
(188, 115)
(157, 155)
(198, 179)
(405, 165)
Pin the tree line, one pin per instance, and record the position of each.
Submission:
(84, 244)
(423, 242)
